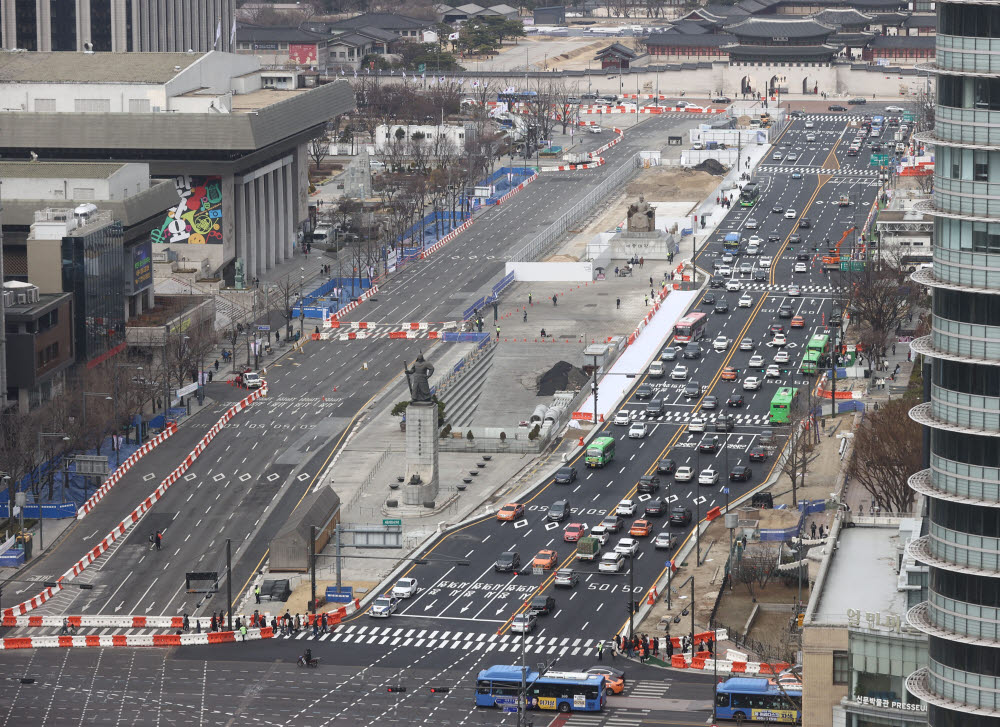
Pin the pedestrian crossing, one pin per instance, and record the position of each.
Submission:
(804, 289)
(709, 417)
(835, 117)
(868, 172)
(611, 718)
(402, 637)
(351, 334)
(648, 689)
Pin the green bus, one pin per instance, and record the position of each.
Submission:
(750, 194)
(816, 349)
(781, 405)
(601, 451)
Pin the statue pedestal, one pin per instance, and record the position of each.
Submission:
(421, 453)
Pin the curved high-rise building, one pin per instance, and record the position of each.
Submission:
(961, 684)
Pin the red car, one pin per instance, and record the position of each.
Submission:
(573, 532)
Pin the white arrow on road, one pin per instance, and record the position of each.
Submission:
(466, 608)
(150, 607)
(428, 606)
(119, 606)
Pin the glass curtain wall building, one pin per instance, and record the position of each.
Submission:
(961, 544)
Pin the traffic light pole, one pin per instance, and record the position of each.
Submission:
(631, 601)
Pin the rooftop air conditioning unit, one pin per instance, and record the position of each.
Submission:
(8, 298)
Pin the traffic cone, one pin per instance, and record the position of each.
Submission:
(581, 440)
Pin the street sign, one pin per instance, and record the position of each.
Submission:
(185, 390)
(509, 710)
(345, 594)
(263, 328)
(392, 522)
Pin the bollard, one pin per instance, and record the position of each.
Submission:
(581, 441)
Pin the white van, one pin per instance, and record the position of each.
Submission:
(656, 370)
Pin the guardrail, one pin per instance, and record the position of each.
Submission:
(554, 232)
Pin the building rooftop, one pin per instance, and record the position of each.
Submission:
(67, 67)
(291, 34)
(617, 49)
(904, 41)
(863, 575)
(263, 97)
(66, 170)
(697, 41)
(775, 28)
(385, 21)
(842, 16)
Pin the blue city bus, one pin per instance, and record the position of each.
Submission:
(512, 97)
(877, 122)
(758, 700)
(499, 686)
(731, 242)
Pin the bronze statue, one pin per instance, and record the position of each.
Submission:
(418, 378)
(641, 216)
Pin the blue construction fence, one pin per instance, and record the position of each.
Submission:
(506, 281)
(505, 179)
(322, 301)
(436, 225)
(806, 509)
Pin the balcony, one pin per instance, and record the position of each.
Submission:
(919, 685)
(928, 617)
(983, 277)
(924, 550)
(964, 488)
(966, 410)
(924, 414)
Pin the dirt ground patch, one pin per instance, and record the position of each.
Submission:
(664, 184)
(562, 258)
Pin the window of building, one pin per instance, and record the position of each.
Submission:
(92, 105)
(841, 668)
(45, 104)
(100, 25)
(138, 105)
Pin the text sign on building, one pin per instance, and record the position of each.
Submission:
(875, 619)
(888, 704)
(303, 54)
(392, 522)
(265, 46)
(780, 38)
(141, 276)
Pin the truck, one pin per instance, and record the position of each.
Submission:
(588, 548)
(844, 201)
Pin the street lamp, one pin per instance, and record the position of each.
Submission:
(107, 397)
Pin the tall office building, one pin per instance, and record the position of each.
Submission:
(118, 26)
(961, 683)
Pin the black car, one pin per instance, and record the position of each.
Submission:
(757, 454)
(692, 350)
(736, 401)
(784, 311)
(776, 328)
(859, 101)
(805, 222)
(709, 298)
(722, 99)
(668, 354)
(773, 237)
(710, 402)
(692, 390)
(797, 114)
(644, 391)
(565, 475)
(778, 209)
(836, 107)
(717, 281)
(507, 562)
(654, 407)
(542, 605)
(680, 516)
(666, 466)
(724, 423)
(722, 306)
(656, 507)
(709, 443)
(740, 473)
(759, 274)
(876, 146)
(803, 256)
(648, 484)
(558, 511)
(795, 239)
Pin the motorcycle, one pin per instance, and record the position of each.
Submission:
(310, 664)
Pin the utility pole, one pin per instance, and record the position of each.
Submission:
(3, 313)
(312, 567)
(631, 601)
(595, 389)
(229, 585)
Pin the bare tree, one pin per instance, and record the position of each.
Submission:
(887, 450)
(801, 445)
(879, 299)
(756, 566)
(18, 448)
(318, 149)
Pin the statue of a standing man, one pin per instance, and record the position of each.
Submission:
(418, 377)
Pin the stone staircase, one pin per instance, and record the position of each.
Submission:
(461, 395)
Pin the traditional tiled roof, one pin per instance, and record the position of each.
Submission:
(775, 28)
(689, 41)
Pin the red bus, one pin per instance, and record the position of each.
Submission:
(690, 328)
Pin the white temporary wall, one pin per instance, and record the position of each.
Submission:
(546, 272)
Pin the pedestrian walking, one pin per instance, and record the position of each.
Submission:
(894, 349)
(323, 622)
(256, 593)
(529, 298)
(909, 355)
(525, 315)
(498, 333)
(650, 281)
(159, 539)
(187, 623)
(216, 364)
(65, 627)
(297, 624)
(243, 632)
(646, 298)
(670, 647)
(555, 300)
(600, 651)
(315, 621)
(813, 529)
(618, 303)
(642, 261)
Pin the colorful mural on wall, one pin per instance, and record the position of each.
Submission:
(197, 218)
(303, 54)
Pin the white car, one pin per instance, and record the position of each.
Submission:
(724, 270)
(810, 137)
(895, 109)
(794, 291)
(524, 623)
(684, 474)
(753, 249)
(733, 284)
(765, 262)
(383, 607)
(755, 240)
(405, 588)
(801, 268)
(745, 301)
(611, 563)
(756, 361)
(680, 373)
(637, 430)
(809, 124)
(708, 476)
(791, 214)
(781, 357)
(751, 224)
(779, 339)
(793, 157)
(627, 546)
(773, 372)
(625, 508)
(595, 129)
(721, 343)
(697, 424)
(622, 418)
(746, 344)
(751, 383)
(776, 156)
(601, 533)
